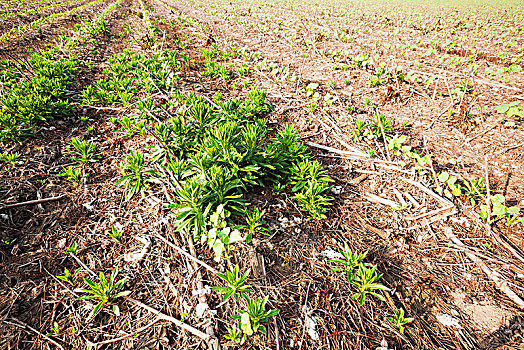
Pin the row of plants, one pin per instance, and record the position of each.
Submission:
(8, 5)
(22, 29)
(452, 185)
(213, 152)
(9, 14)
(380, 129)
(39, 88)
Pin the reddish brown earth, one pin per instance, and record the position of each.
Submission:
(430, 276)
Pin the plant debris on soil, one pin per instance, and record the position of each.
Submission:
(355, 167)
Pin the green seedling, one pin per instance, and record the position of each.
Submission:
(366, 282)
(381, 126)
(360, 130)
(55, 330)
(135, 178)
(399, 320)
(474, 189)
(68, 276)
(116, 234)
(106, 292)
(349, 261)
(311, 185)
(235, 284)
(10, 158)
(74, 175)
(395, 144)
(499, 211)
(221, 237)
(255, 224)
(279, 188)
(235, 335)
(450, 180)
(72, 249)
(84, 151)
(455, 161)
(251, 319)
(8, 242)
(511, 109)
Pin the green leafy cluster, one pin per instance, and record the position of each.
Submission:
(38, 88)
(216, 153)
(106, 291)
(255, 314)
(379, 128)
(136, 177)
(11, 158)
(213, 151)
(473, 189)
(363, 276)
(500, 211)
(211, 67)
(131, 73)
(513, 111)
(408, 154)
(27, 102)
(399, 320)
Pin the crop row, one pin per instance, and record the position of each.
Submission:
(211, 152)
(478, 24)
(36, 10)
(20, 30)
(26, 102)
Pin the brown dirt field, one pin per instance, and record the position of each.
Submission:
(434, 279)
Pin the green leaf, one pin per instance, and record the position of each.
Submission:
(122, 294)
(513, 210)
(235, 236)
(272, 313)
(228, 294)
(498, 199)
(499, 210)
(443, 177)
(456, 191)
(98, 307)
(245, 324)
(503, 108)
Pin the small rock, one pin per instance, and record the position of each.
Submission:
(201, 309)
(203, 291)
(448, 321)
(62, 243)
(337, 189)
(330, 254)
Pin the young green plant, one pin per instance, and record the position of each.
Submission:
(235, 284)
(106, 292)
